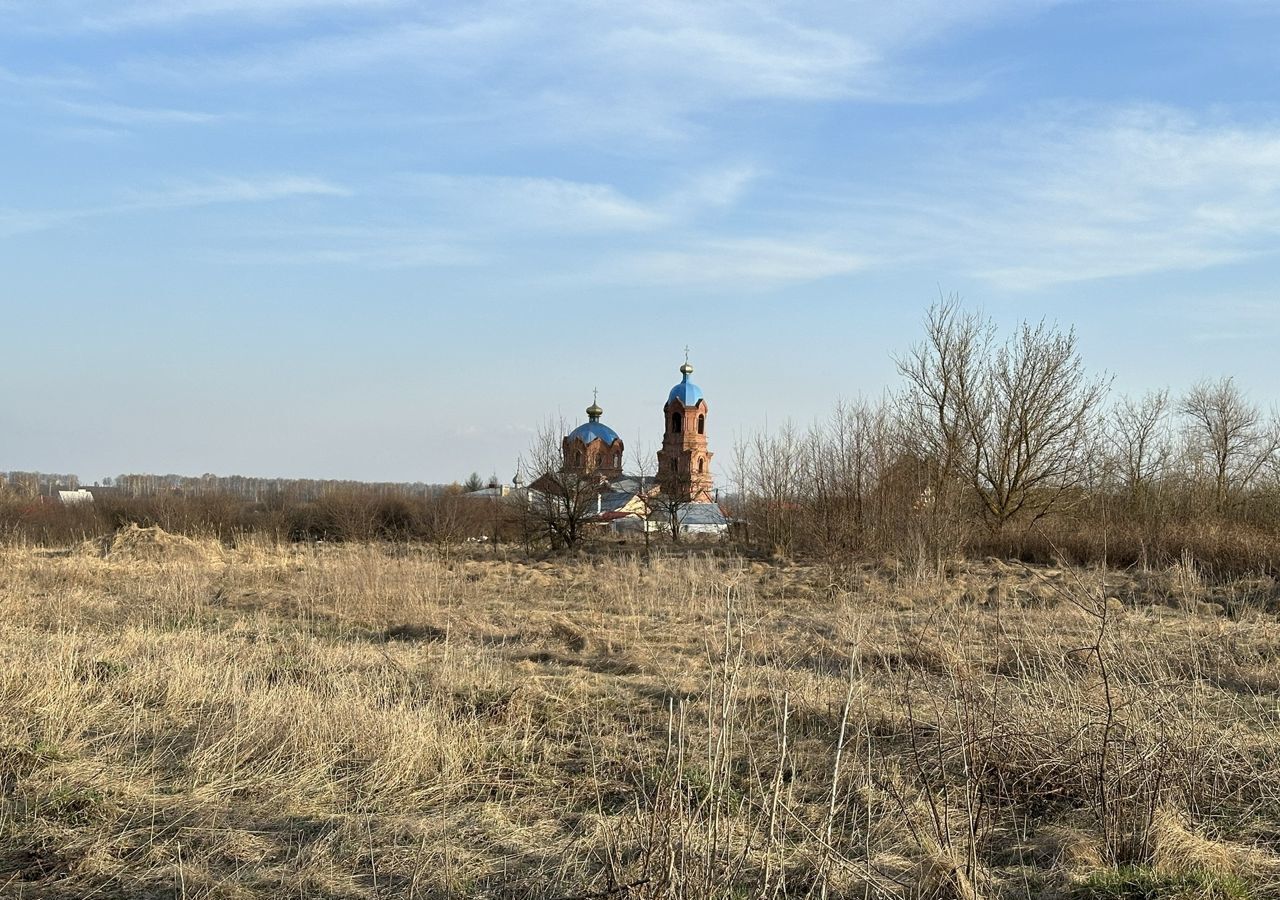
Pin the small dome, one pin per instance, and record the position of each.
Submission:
(594, 412)
(686, 391)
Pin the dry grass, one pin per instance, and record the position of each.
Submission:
(189, 721)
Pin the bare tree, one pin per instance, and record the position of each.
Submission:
(559, 503)
(673, 495)
(1031, 424)
(350, 514)
(1011, 421)
(942, 375)
(842, 459)
(1228, 439)
(643, 465)
(770, 476)
(1140, 438)
(451, 517)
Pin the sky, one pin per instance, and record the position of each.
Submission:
(389, 240)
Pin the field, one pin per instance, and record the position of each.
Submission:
(180, 719)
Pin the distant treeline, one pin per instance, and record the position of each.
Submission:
(350, 514)
(40, 484)
(1010, 447)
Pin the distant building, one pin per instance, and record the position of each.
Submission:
(692, 518)
(73, 498)
(628, 502)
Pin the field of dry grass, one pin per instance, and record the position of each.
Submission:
(183, 720)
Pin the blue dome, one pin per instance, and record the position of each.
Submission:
(686, 392)
(590, 431)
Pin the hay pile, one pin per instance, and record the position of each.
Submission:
(133, 543)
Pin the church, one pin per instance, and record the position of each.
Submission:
(684, 486)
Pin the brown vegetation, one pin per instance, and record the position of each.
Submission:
(1010, 449)
(178, 718)
(1057, 679)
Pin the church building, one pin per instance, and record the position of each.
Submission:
(684, 465)
(593, 447)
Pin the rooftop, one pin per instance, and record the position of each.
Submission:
(592, 431)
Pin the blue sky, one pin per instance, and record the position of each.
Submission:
(379, 239)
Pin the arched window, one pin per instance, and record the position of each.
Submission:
(577, 458)
(702, 424)
(677, 422)
(702, 463)
(617, 460)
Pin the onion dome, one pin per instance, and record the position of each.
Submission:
(593, 429)
(688, 393)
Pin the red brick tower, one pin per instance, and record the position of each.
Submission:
(684, 462)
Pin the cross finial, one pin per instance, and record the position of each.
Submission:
(595, 395)
(686, 352)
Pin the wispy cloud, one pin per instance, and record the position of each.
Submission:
(176, 195)
(228, 189)
(1075, 196)
(520, 204)
(113, 15)
(79, 98)
(28, 80)
(740, 263)
(412, 46)
(662, 61)
(373, 247)
(537, 206)
(1144, 190)
(469, 220)
(117, 114)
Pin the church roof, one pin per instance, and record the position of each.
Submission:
(593, 429)
(590, 431)
(686, 391)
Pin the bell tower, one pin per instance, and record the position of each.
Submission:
(684, 462)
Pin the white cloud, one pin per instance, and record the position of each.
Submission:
(794, 62)
(113, 15)
(512, 203)
(225, 189)
(176, 195)
(28, 81)
(410, 46)
(360, 246)
(660, 59)
(117, 114)
(491, 205)
(717, 188)
(1078, 196)
(1144, 190)
(751, 263)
